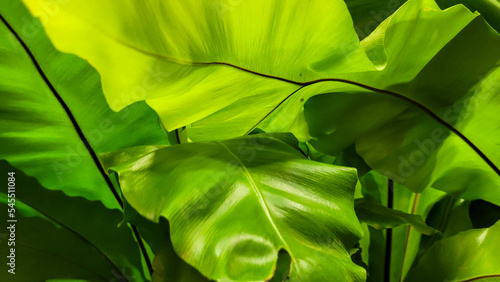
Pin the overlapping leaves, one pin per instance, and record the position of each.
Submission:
(56, 236)
(401, 68)
(437, 123)
(54, 116)
(232, 205)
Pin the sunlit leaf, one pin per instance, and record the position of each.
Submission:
(223, 55)
(437, 124)
(232, 205)
(54, 115)
(467, 256)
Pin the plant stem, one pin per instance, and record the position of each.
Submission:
(388, 237)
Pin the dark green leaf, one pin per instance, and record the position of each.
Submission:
(483, 214)
(61, 237)
(467, 256)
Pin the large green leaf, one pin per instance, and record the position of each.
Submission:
(467, 256)
(232, 205)
(408, 49)
(422, 137)
(54, 115)
(62, 237)
(222, 68)
(212, 58)
(402, 48)
(55, 120)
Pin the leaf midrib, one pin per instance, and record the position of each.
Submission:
(65, 108)
(308, 83)
(481, 277)
(262, 201)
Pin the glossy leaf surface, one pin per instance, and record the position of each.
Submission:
(233, 205)
(421, 137)
(209, 50)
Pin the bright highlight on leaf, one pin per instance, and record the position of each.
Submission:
(222, 55)
(468, 264)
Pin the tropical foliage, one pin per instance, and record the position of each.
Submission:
(237, 140)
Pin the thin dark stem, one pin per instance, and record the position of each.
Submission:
(82, 137)
(482, 277)
(307, 83)
(388, 236)
(390, 194)
(377, 90)
(396, 95)
(143, 248)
